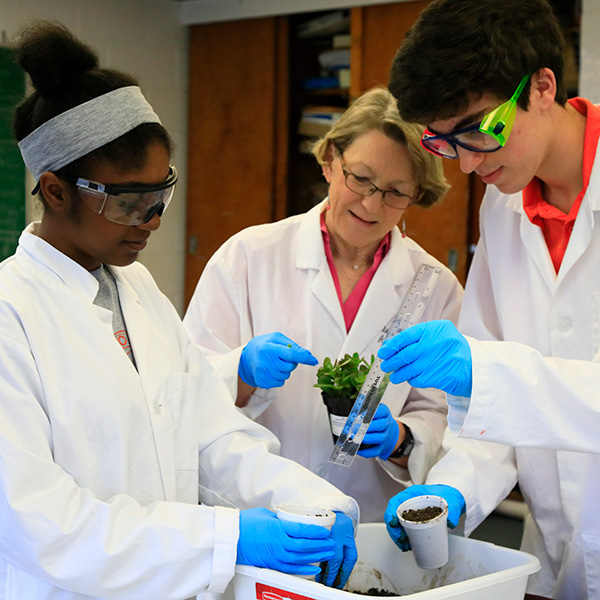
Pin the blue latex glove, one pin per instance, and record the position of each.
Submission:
(268, 360)
(432, 354)
(338, 569)
(456, 507)
(382, 435)
(285, 546)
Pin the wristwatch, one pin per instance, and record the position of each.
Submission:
(405, 448)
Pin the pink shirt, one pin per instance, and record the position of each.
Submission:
(352, 304)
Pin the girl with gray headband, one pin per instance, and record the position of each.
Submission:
(125, 469)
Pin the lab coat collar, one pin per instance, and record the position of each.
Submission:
(592, 194)
(310, 253)
(138, 322)
(72, 274)
(581, 235)
(383, 295)
(397, 262)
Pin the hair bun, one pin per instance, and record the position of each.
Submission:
(53, 57)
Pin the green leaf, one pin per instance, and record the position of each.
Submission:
(344, 377)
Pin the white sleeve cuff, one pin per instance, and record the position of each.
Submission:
(458, 408)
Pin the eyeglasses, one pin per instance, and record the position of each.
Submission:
(489, 135)
(127, 204)
(365, 187)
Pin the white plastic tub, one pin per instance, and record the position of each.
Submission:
(475, 571)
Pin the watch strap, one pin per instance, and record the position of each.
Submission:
(405, 448)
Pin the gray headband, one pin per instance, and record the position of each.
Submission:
(84, 128)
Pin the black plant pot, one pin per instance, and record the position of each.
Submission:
(338, 410)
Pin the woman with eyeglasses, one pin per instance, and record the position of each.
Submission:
(125, 469)
(323, 284)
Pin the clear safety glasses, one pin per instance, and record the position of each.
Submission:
(127, 204)
(489, 135)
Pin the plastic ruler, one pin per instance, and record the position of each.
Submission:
(376, 381)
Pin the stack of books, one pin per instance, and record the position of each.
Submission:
(316, 121)
(327, 24)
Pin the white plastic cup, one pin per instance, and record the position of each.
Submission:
(308, 515)
(428, 539)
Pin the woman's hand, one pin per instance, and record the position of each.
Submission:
(382, 435)
(268, 360)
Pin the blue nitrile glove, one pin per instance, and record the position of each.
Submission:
(432, 354)
(337, 570)
(456, 507)
(285, 546)
(268, 360)
(382, 435)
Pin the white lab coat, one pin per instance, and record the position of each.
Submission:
(538, 390)
(102, 466)
(275, 277)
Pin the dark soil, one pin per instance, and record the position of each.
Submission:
(422, 514)
(374, 592)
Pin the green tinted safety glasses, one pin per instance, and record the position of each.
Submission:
(487, 136)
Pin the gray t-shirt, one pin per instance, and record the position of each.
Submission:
(108, 297)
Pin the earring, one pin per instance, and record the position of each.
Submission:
(403, 228)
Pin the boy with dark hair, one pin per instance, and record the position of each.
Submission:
(489, 46)
(485, 77)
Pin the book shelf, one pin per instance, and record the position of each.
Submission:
(319, 94)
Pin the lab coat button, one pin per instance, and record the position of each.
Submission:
(157, 408)
(564, 324)
(321, 471)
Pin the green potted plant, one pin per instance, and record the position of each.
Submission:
(339, 382)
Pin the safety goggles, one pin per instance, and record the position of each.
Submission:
(127, 204)
(489, 135)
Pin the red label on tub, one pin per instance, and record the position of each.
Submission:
(268, 592)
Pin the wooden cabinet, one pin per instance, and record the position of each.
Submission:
(443, 230)
(377, 32)
(237, 134)
(315, 88)
(244, 166)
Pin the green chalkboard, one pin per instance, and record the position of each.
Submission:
(12, 169)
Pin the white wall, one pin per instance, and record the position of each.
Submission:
(144, 38)
(208, 11)
(589, 74)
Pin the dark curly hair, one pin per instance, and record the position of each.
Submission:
(65, 73)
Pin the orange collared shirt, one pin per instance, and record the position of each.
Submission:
(556, 225)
